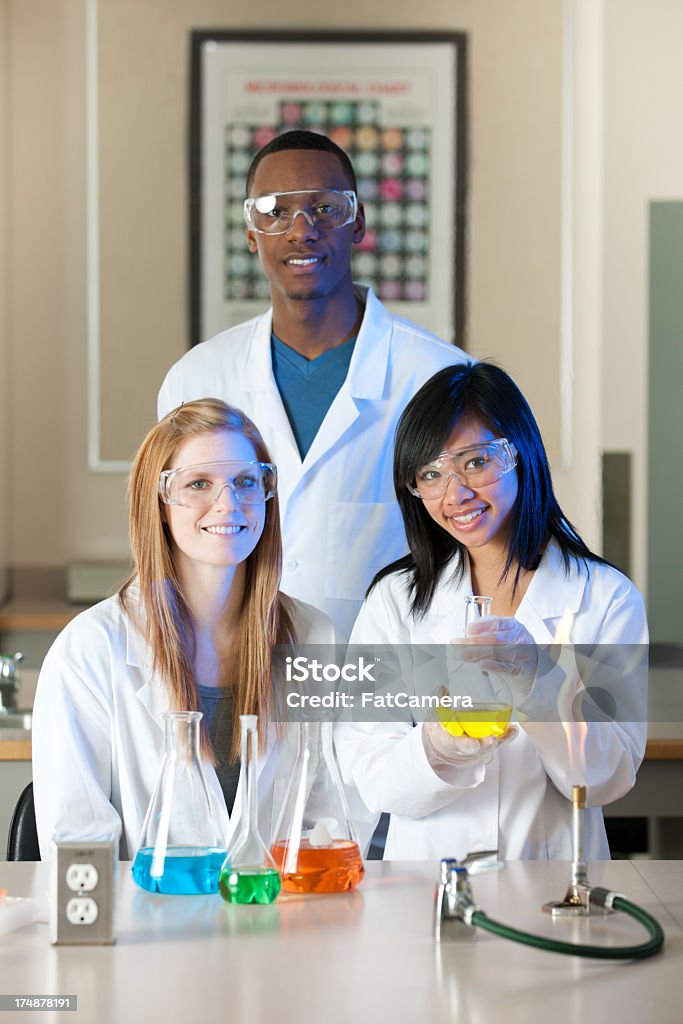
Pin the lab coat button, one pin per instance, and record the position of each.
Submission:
(291, 563)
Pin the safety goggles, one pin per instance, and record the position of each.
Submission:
(476, 466)
(324, 209)
(250, 483)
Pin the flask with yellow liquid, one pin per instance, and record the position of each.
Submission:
(479, 721)
(485, 717)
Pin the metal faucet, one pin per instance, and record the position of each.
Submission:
(454, 900)
(9, 681)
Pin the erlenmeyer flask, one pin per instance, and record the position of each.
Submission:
(249, 874)
(315, 846)
(476, 607)
(492, 702)
(181, 849)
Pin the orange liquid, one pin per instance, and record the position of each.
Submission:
(336, 868)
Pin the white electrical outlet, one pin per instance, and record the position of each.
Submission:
(83, 874)
(81, 910)
(82, 877)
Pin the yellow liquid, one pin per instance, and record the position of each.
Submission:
(479, 721)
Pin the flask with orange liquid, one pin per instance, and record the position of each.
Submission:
(316, 849)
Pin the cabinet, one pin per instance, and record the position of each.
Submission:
(30, 630)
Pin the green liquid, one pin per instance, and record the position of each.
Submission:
(249, 886)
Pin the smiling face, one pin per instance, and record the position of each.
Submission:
(305, 263)
(478, 518)
(225, 533)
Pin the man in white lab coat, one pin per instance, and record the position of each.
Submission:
(325, 374)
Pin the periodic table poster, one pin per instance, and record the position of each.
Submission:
(394, 105)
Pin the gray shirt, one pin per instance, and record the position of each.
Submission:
(216, 702)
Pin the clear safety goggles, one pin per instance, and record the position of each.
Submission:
(324, 209)
(250, 483)
(478, 465)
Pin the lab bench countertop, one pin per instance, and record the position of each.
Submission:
(15, 750)
(366, 956)
(656, 750)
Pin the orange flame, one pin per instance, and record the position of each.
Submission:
(576, 730)
(576, 733)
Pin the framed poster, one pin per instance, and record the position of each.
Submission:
(394, 102)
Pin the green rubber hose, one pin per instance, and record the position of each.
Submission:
(649, 948)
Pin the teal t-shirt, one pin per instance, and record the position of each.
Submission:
(308, 386)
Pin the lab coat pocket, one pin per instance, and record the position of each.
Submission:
(362, 537)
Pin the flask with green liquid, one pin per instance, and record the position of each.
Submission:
(249, 874)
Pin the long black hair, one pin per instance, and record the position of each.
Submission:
(485, 392)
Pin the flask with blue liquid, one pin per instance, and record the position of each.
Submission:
(181, 850)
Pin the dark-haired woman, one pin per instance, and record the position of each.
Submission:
(474, 487)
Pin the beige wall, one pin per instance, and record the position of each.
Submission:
(4, 354)
(513, 227)
(514, 187)
(59, 509)
(578, 474)
(626, 80)
(643, 146)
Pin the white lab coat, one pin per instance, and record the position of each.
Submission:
(340, 519)
(98, 732)
(518, 804)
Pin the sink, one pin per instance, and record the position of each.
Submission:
(15, 725)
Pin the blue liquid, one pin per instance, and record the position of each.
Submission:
(187, 870)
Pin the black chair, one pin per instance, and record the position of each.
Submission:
(22, 841)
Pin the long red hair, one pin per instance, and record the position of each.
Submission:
(266, 616)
